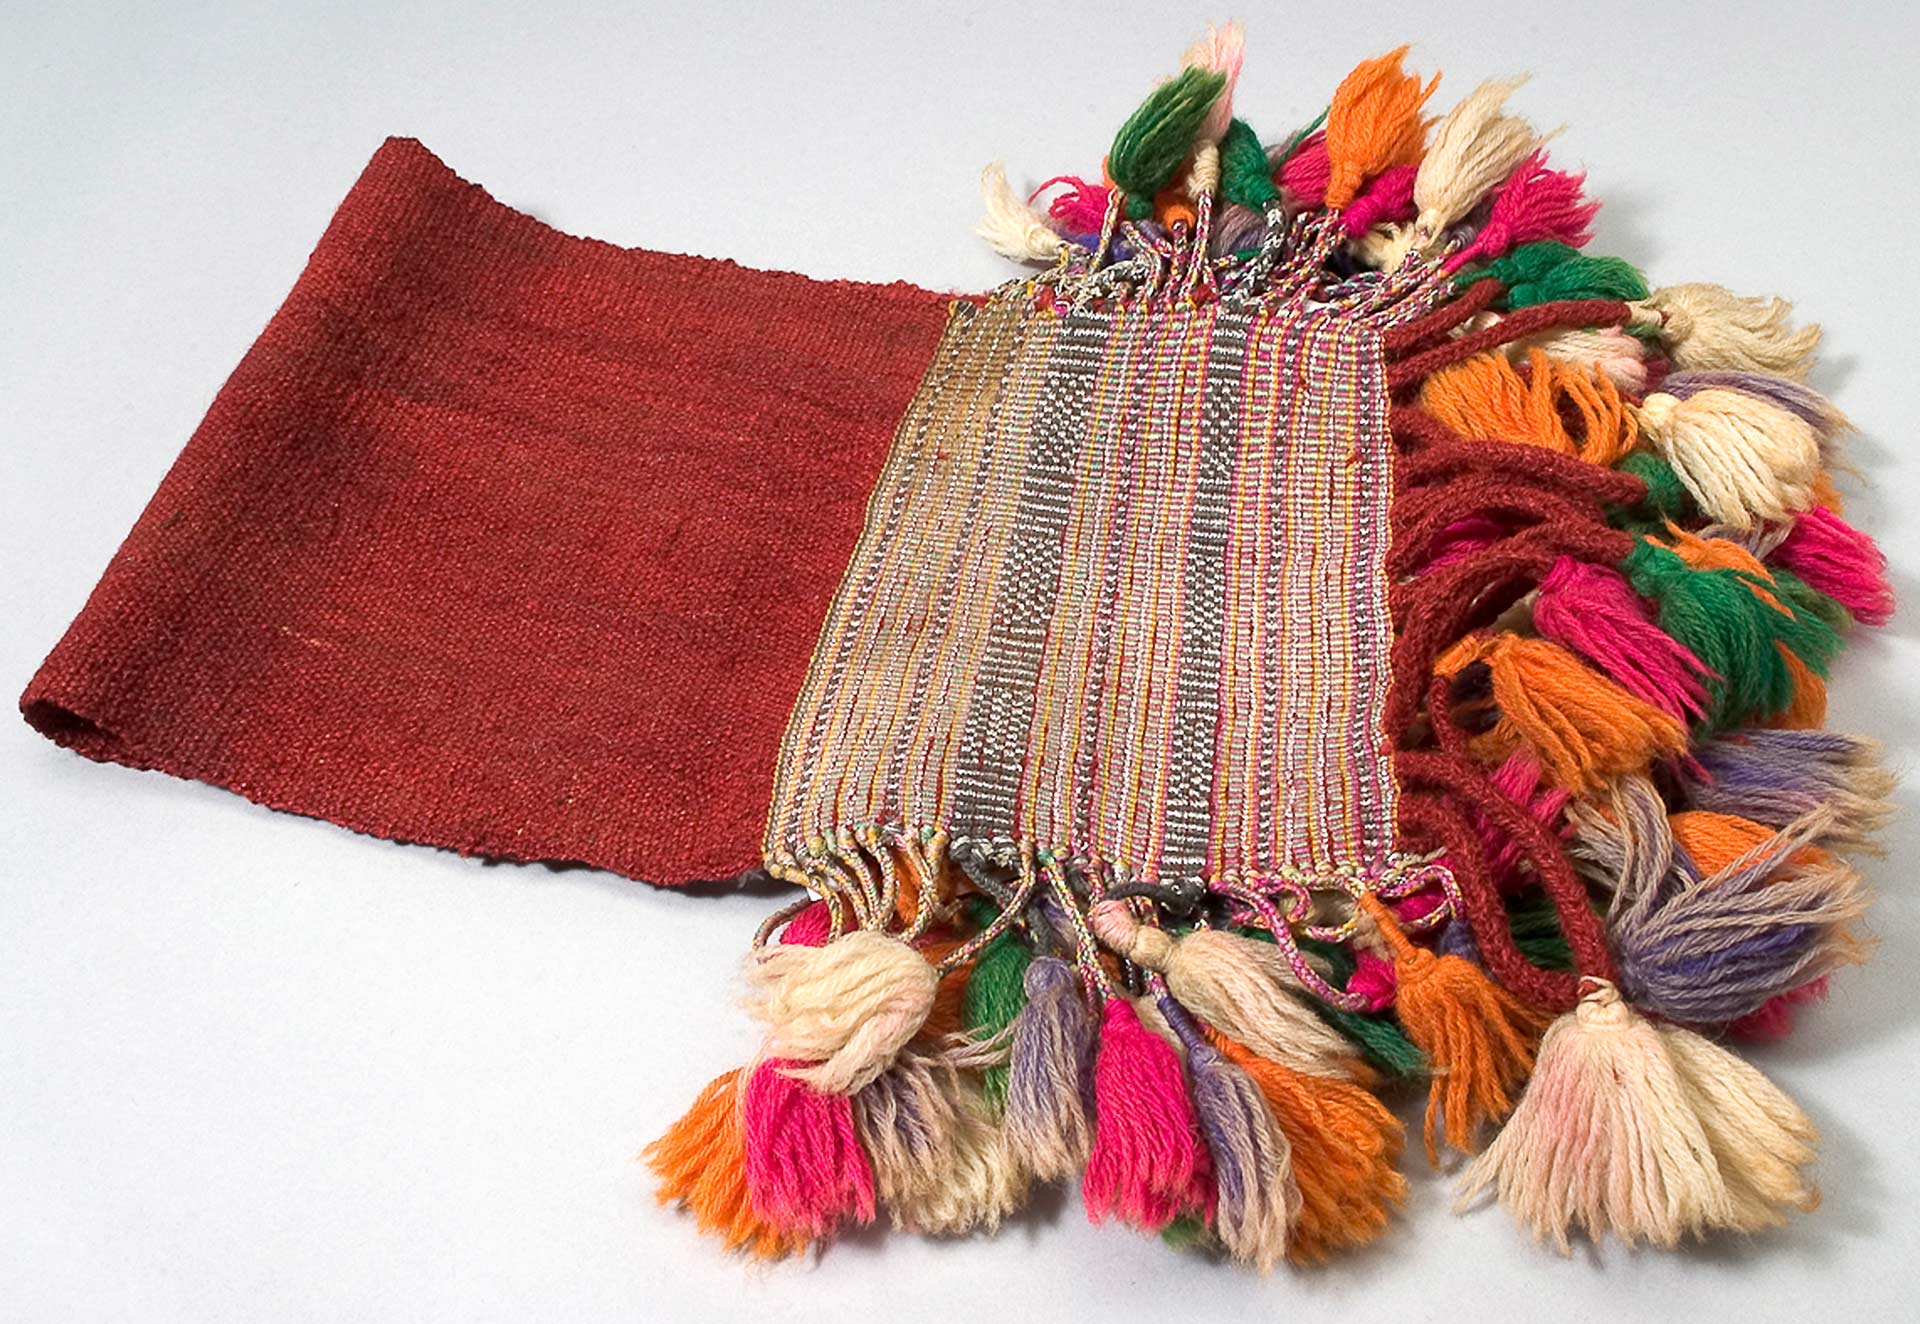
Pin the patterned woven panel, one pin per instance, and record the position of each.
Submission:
(1120, 597)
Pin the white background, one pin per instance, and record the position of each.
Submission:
(254, 1067)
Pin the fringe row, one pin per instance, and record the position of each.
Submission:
(1620, 578)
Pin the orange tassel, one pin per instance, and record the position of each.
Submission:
(701, 1162)
(1479, 1037)
(1485, 396)
(1374, 123)
(1807, 711)
(1584, 729)
(948, 1014)
(1345, 1143)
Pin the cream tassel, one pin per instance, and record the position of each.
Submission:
(1742, 459)
(1473, 150)
(1013, 228)
(1709, 326)
(1652, 1134)
(849, 1006)
(1239, 986)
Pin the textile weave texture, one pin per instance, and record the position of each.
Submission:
(1122, 597)
(501, 540)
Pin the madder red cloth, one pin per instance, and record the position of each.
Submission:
(501, 540)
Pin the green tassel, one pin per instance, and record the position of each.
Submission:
(1716, 614)
(1535, 924)
(1667, 497)
(1380, 1040)
(1189, 1232)
(996, 993)
(1157, 137)
(1244, 177)
(1549, 272)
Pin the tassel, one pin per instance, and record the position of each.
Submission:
(1797, 398)
(1344, 1144)
(1534, 204)
(1239, 985)
(1245, 179)
(1049, 1081)
(1257, 1201)
(1306, 173)
(1552, 272)
(1147, 1164)
(1474, 148)
(1840, 561)
(1374, 123)
(1385, 247)
(1594, 612)
(701, 1165)
(1773, 1019)
(1485, 396)
(1081, 209)
(940, 1165)
(1742, 459)
(1706, 946)
(1650, 1134)
(1478, 1036)
(845, 1008)
(1388, 199)
(1160, 135)
(1221, 52)
(1730, 620)
(1584, 729)
(1707, 326)
(805, 1170)
(1609, 351)
(1013, 228)
(1775, 777)
(996, 994)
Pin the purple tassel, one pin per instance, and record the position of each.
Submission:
(1050, 1083)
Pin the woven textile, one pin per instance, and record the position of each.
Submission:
(494, 540)
(1121, 596)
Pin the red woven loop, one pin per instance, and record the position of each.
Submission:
(1516, 326)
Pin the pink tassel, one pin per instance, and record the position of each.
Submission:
(805, 1168)
(1522, 780)
(1462, 538)
(1082, 209)
(1534, 204)
(1307, 172)
(1374, 980)
(1148, 1163)
(1773, 1019)
(1388, 198)
(1593, 611)
(1840, 561)
(810, 928)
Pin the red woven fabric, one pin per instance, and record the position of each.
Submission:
(501, 540)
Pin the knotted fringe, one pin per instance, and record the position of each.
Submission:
(1651, 1134)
